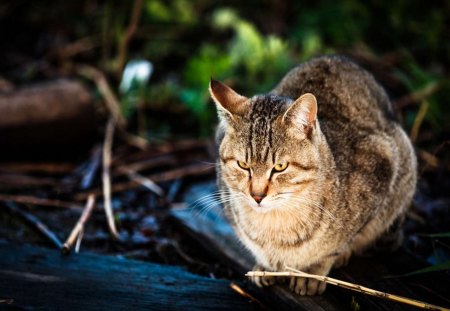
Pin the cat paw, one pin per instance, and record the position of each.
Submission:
(342, 259)
(309, 286)
(305, 286)
(262, 281)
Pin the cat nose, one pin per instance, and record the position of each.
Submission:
(258, 197)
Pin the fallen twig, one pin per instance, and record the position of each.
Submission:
(24, 199)
(112, 104)
(79, 238)
(73, 48)
(168, 149)
(50, 168)
(36, 224)
(348, 285)
(106, 177)
(144, 181)
(243, 293)
(144, 165)
(79, 226)
(129, 33)
(431, 159)
(111, 101)
(133, 140)
(13, 180)
(6, 301)
(191, 170)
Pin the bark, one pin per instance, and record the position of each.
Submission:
(46, 118)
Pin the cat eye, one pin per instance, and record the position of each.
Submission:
(243, 165)
(280, 167)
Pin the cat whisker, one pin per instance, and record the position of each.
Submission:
(211, 201)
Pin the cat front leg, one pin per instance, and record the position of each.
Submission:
(262, 281)
(310, 287)
(343, 257)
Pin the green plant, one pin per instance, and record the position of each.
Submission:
(256, 61)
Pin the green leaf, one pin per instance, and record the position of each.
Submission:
(177, 11)
(435, 268)
(354, 305)
(210, 62)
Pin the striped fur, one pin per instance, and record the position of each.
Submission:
(351, 172)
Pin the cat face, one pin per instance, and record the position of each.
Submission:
(268, 157)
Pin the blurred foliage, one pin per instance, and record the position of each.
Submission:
(260, 59)
(180, 11)
(250, 45)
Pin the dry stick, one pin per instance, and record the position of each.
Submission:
(76, 231)
(418, 121)
(12, 180)
(106, 177)
(133, 140)
(144, 181)
(147, 164)
(24, 199)
(129, 33)
(112, 104)
(79, 238)
(184, 145)
(348, 285)
(37, 224)
(192, 170)
(50, 168)
(431, 158)
(172, 150)
(6, 301)
(80, 46)
(243, 293)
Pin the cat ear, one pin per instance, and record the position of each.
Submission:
(302, 112)
(226, 99)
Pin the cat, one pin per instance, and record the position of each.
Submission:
(315, 170)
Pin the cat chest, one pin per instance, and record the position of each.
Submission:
(277, 254)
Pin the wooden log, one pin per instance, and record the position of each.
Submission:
(43, 103)
(40, 278)
(46, 116)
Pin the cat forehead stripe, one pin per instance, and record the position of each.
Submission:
(263, 114)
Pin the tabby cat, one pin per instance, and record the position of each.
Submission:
(315, 170)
